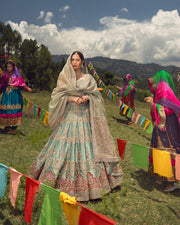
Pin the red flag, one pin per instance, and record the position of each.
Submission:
(90, 217)
(31, 189)
(121, 147)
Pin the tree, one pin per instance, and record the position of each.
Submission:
(28, 58)
(108, 77)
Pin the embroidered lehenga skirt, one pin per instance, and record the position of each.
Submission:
(67, 162)
(169, 141)
(11, 107)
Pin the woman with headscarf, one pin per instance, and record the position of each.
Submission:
(165, 108)
(128, 91)
(80, 157)
(12, 102)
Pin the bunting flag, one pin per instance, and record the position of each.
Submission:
(70, 208)
(162, 163)
(35, 109)
(147, 122)
(32, 187)
(45, 121)
(121, 147)
(125, 109)
(142, 119)
(39, 111)
(137, 117)
(42, 114)
(25, 101)
(31, 107)
(177, 167)
(3, 179)
(15, 177)
(89, 217)
(140, 155)
(51, 211)
(133, 116)
(122, 106)
(150, 128)
(27, 105)
(130, 113)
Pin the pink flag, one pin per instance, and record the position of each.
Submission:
(14, 183)
(137, 118)
(177, 167)
(31, 189)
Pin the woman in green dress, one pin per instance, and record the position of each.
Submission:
(80, 157)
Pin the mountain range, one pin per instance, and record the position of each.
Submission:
(120, 67)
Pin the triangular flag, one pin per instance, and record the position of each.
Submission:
(51, 211)
(31, 189)
(142, 119)
(28, 101)
(3, 179)
(177, 167)
(147, 122)
(45, 121)
(39, 111)
(31, 107)
(90, 217)
(15, 177)
(137, 117)
(35, 109)
(25, 101)
(140, 155)
(162, 163)
(121, 147)
(150, 128)
(42, 114)
(125, 109)
(133, 116)
(70, 208)
(130, 113)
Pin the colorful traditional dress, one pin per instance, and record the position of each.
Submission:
(128, 91)
(12, 102)
(166, 132)
(80, 157)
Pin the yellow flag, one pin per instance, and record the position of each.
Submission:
(125, 109)
(70, 208)
(146, 124)
(28, 101)
(45, 121)
(162, 163)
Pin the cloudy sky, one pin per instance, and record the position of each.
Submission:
(137, 30)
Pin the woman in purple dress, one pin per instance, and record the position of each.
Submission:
(165, 108)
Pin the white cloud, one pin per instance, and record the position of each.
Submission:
(41, 16)
(124, 10)
(65, 8)
(156, 40)
(48, 17)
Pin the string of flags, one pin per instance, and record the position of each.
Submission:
(53, 203)
(33, 108)
(136, 117)
(162, 162)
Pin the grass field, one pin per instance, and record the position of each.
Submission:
(139, 200)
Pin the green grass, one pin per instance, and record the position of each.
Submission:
(139, 200)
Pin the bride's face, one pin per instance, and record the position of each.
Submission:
(76, 62)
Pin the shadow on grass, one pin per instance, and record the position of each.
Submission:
(149, 183)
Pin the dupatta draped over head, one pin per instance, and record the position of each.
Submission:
(128, 86)
(104, 148)
(163, 88)
(15, 79)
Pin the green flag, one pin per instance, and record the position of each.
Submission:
(51, 212)
(150, 128)
(140, 155)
